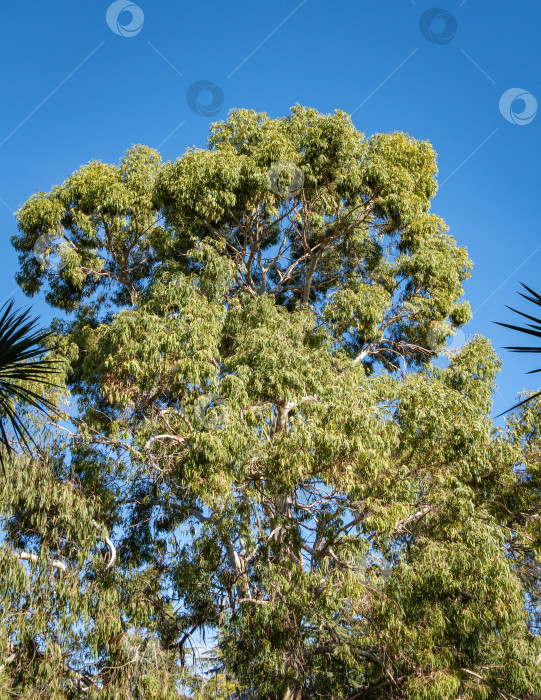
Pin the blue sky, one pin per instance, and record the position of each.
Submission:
(74, 88)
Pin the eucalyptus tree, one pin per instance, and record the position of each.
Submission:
(264, 452)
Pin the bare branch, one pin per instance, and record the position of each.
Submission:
(175, 438)
(27, 556)
(112, 548)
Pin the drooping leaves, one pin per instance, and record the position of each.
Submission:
(289, 484)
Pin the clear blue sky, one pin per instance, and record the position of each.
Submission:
(74, 90)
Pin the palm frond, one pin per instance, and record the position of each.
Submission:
(21, 363)
(521, 313)
(536, 297)
(521, 329)
(530, 329)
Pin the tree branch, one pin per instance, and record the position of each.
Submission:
(27, 556)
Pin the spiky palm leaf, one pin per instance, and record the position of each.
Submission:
(21, 347)
(529, 328)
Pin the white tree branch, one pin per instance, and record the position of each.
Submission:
(27, 556)
(175, 438)
(401, 525)
(112, 548)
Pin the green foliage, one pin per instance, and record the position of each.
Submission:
(21, 368)
(258, 428)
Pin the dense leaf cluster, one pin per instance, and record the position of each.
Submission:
(262, 457)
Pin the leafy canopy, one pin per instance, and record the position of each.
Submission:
(261, 437)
